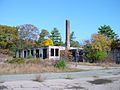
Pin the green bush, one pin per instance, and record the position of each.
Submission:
(96, 56)
(100, 55)
(60, 64)
(17, 61)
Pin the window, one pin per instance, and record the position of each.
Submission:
(56, 52)
(52, 52)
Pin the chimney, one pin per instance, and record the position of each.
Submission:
(67, 34)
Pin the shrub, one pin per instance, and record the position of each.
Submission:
(16, 61)
(60, 64)
(96, 56)
(100, 55)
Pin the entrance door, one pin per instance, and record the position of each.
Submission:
(44, 53)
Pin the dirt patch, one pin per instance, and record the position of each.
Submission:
(4, 57)
(2, 87)
(118, 73)
(100, 81)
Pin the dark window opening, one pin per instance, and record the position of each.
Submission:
(32, 52)
(52, 52)
(56, 52)
(25, 54)
(40, 55)
(44, 53)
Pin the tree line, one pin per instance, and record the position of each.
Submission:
(28, 36)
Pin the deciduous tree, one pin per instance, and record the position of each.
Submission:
(48, 42)
(108, 32)
(8, 36)
(28, 32)
(44, 34)
(96, 49)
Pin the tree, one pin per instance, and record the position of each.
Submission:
(73, 42)
(72, 37)
(108, 32)
(48, 42)
(8, 36)
(43, 35)
(100, 42)
(96, 49)
(56, 37)
(28, 32)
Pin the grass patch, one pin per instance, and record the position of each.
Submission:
(100, 81)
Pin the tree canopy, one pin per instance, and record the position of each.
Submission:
(56, 37)
(8, 36)
(28, 32)
(47, 42)
(96, 49)
(43, 35)
(107, 31)
(100, 42)
(73, 42)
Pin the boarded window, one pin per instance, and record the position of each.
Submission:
(52, 52)
(56, 52)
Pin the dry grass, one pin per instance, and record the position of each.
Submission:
(26, 68)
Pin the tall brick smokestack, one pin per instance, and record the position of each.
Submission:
(67, 34)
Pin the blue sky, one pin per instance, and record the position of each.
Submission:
(85, 15)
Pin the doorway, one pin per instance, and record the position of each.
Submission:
(44, 53)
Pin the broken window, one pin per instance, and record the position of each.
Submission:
(56, 52)
(52, 52)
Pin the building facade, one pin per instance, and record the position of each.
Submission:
(48, 52)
